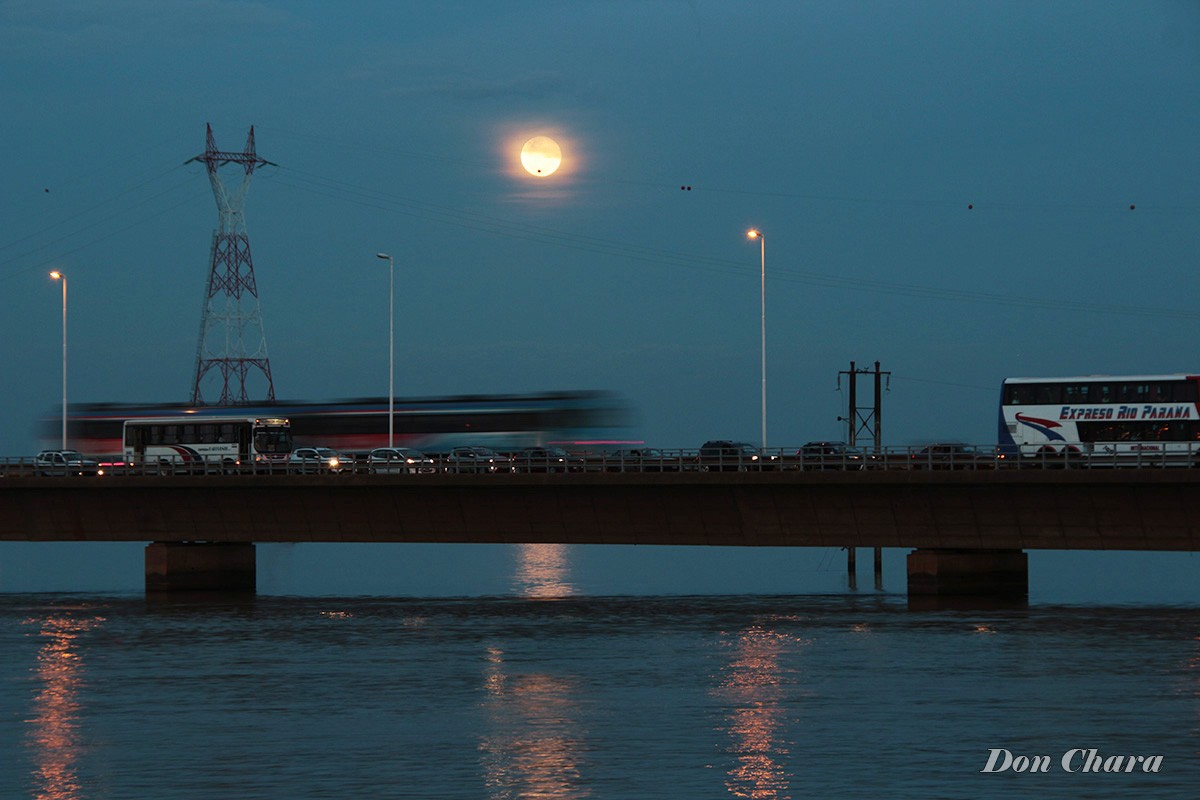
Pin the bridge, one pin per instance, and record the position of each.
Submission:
(968, 530)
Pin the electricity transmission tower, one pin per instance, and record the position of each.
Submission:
(232, 340)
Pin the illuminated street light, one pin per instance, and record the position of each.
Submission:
(754, 233)
(391, 345)
(58, 276)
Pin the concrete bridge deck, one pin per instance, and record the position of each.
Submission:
(969, 529)
(1135, 509)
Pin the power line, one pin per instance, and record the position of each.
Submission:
(911, 379)
(965, 203)
(360, 196)
(42, 264)
(363, 196)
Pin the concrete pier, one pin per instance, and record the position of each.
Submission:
(200, 566)
(954, 572)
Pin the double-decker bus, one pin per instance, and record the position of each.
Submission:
(1105, 419)
(216, 441)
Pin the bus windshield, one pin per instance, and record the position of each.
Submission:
(272, 440)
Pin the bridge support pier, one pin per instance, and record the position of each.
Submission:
(1001, 574)
(200, 566)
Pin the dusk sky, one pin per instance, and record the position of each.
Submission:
(961, 191)
(855, 135)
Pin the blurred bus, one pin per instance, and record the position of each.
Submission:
(576, 420)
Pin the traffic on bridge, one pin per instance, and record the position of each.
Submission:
(714, 456)
(1093, 422)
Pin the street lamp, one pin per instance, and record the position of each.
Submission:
(391, 345)
(754, 233)
(59, 276)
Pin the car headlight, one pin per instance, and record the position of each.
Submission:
(333, 462)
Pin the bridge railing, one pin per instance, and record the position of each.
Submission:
(934, 457)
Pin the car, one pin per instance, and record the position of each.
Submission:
(723, 455)
(62, 463)
(831, 455)
(641, 459)
(475, 459)
(399, 461)
(545, 459)
(953, 455)
(319, 459)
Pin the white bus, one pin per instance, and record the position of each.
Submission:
(1103, 419)
(199, 442)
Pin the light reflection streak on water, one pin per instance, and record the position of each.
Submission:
(53, 735)
(542, 571)
(533, 750)
(753, 690)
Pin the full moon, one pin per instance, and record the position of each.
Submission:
(541, 155)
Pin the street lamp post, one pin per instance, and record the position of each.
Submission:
(391, 346)
(59, 276)
(754, 233)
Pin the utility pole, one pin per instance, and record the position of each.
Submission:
(865, 419)
(868, 419)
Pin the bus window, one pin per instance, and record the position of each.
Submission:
(1075, 393)
(1018, 394)
(1048, 394)
(1186, 392)
(1131, 393)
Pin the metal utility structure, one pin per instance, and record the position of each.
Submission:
(865, 419)
(232, 341)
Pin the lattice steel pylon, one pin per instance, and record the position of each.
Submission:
(231, 318)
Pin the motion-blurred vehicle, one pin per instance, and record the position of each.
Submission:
(399, 461)
(722, 455)
(63, 463)
(359, 425)
(641, 459)
(545, 459)
(831, 455)
(308, 460)
(953, 455)
(475, 459)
